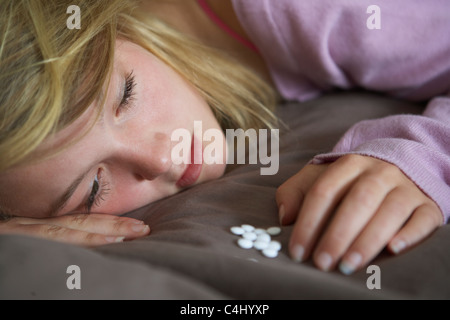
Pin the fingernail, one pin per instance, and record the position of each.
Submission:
(398, 246)
(140, 228)
(324, 261)
(114, 239)
(281, 214)
(297, 253)
(349, 264)
(137, 222)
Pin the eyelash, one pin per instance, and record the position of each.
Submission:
(128, 93)
(98, 192)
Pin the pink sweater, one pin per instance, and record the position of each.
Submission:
(315, 46)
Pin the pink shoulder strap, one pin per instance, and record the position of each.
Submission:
(206, 8)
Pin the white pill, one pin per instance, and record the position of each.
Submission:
(274, 231)
(245, 243)
(264, 237)
(274, 245)
(260, 245)
(269, 253)
(249, 236)
(247, 227)
(259, 231)
(237, 231)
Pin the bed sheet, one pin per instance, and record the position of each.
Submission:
(191, 253)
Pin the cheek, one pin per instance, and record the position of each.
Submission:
(128, 193)
(126, 200)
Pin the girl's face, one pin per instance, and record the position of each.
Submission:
(124, 162)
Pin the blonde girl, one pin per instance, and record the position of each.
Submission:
(87, 115)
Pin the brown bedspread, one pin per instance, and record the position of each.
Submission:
(191, 253)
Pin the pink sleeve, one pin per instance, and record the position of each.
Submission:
(315, 46)
(417, 144)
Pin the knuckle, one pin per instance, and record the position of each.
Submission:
(367, 192)
(78, 219)
(351, 160)
(387, 170)
(435, 217)
(404, 198)
(374, 181)
(336, 242)
(378, 239)
(306, 226)
(90, 238)
(402, 206)
(322, 190)
(118, 225)
(53, 230)
(281, 191)
(365, 196)
(289, 183)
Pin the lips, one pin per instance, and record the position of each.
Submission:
(193, 170)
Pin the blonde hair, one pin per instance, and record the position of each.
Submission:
(50, 74)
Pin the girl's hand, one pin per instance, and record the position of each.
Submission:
(346, 212)
(81, 229)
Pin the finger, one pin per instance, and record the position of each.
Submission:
(319, 204)
(96, 223)
(289, 195)
(105, 217)
(392, 214)
(357, 208)
(61, 234)
(422, 223)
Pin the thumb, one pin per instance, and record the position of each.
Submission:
(290, 194)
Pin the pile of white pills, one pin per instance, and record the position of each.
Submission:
(258, 238)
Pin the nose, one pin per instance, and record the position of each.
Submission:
(149, 156)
